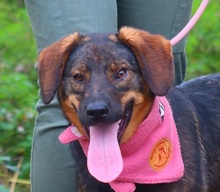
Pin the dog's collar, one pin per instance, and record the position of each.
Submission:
(151, 156)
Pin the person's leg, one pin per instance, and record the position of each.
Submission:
(52, 167)
(159, 17)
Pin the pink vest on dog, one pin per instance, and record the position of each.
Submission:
(151, 156)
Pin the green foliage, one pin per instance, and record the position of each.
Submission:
(17, 47)
(18, 91)
(203, 48)
(17, 114)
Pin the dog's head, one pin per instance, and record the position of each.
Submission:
(103, 79)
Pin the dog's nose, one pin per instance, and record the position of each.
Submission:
(97, 111)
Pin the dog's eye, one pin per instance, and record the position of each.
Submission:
(122, 73)
(78, 77)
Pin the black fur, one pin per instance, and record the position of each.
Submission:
(196, 110)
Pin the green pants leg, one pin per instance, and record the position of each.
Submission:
(52, 167)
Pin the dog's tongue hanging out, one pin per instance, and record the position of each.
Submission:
(104, 159)
(105, 162)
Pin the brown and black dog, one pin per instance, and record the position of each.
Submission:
(104, 78)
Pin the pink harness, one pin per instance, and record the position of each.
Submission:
(151, 156)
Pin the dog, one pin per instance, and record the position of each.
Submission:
(113, 89)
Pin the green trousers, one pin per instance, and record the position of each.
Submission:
(52, 166)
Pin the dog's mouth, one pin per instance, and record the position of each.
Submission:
(122, 123)
(105, 161)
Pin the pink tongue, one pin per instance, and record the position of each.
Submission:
(104, 156)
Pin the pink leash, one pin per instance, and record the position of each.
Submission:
(190, 24)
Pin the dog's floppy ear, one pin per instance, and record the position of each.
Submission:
(52, 61)
(154, 55)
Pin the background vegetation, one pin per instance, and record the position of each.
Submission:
(18, 87)
(203, 48)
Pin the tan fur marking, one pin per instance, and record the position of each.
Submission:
(139, 98)
(141, 109)
(113, 38)
(73, 100)
(85, 39)
(70, 112)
